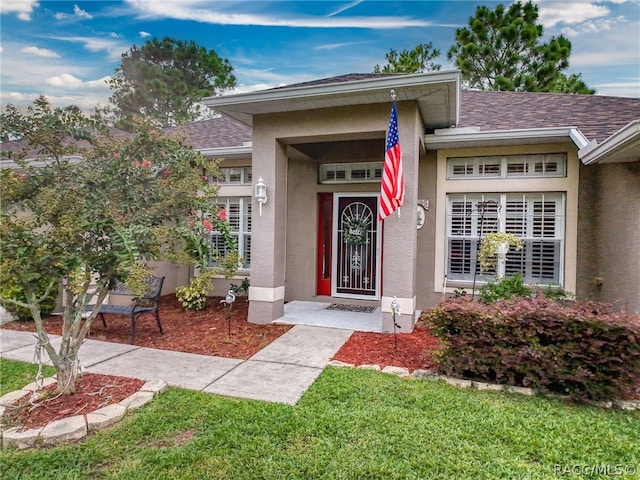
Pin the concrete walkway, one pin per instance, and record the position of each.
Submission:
(281, 372)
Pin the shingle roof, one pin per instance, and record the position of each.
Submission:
(349, 77)
(596, 116)
(221, 131)
(211, 133)
(16, 146)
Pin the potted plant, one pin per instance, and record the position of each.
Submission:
(495, 246)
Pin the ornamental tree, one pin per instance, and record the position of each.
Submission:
(93, 208)
(501, 49)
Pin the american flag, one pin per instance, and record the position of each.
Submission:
(392, 186)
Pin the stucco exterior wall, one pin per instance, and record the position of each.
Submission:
(588, 270)
(427, 189)
(618, 235)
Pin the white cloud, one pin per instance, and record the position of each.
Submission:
(78, 13)
(625, 88)
(24, 9)
(345, 7)
(334, 46)
(87, 102)
(144, 34)
(113, 48)
(551, 14)
(189, 10)
(67, 80)
(593, 26)
(64, 80)
(40, 52)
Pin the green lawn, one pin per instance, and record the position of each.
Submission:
(352, 424)
(15, 375)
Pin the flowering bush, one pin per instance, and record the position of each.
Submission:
(584, 350)
(194, 295)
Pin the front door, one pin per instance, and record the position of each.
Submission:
(356, 246)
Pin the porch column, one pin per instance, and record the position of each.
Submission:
(266, 293)
(400, 232)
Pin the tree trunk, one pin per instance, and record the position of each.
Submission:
(67, 373)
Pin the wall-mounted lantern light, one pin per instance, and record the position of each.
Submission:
(261, 193)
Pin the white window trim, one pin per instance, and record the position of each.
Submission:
(243, 201)
(499, 223)
(567, 184)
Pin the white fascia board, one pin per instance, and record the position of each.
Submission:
(453, 137)
(227, 152)
(350, 87)
(627, 135)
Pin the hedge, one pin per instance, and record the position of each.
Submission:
(587, 351)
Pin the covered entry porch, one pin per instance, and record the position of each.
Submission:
(318, 239)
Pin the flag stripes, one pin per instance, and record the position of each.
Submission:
(392, 185)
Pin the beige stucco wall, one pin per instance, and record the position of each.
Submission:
(427, 190)
(614, 256)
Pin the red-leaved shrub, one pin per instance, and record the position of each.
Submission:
(587, 351)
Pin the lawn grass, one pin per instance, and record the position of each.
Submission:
(351, 424)
(15, 375)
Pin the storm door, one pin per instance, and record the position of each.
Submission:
(356, 246)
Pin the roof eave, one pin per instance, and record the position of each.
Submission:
(470, 137)
(243, 106)
(241, 151)
(621, 147)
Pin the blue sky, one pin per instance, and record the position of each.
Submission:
(66, 49)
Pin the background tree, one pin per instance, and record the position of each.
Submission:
(501, 49)
(164, 81)
(418, 60)
(95, 220)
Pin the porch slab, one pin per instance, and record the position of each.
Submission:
(300, 312)
(186, 370)
(266, 381)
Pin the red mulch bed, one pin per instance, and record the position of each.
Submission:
(93, 391)
(409, 350)
(205, 332)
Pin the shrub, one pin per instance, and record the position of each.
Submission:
(504, 288)
(241, 290)
(584, 350)
(10, 289)
(194, 295)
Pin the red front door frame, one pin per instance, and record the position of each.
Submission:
(325, 236)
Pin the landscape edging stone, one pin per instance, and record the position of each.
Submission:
(71, 429)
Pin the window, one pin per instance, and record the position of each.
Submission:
(508, 166)
(536, 218)
(363, 172)
(239, 217)
(233, 176)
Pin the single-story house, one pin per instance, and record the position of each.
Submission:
(560, 171)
